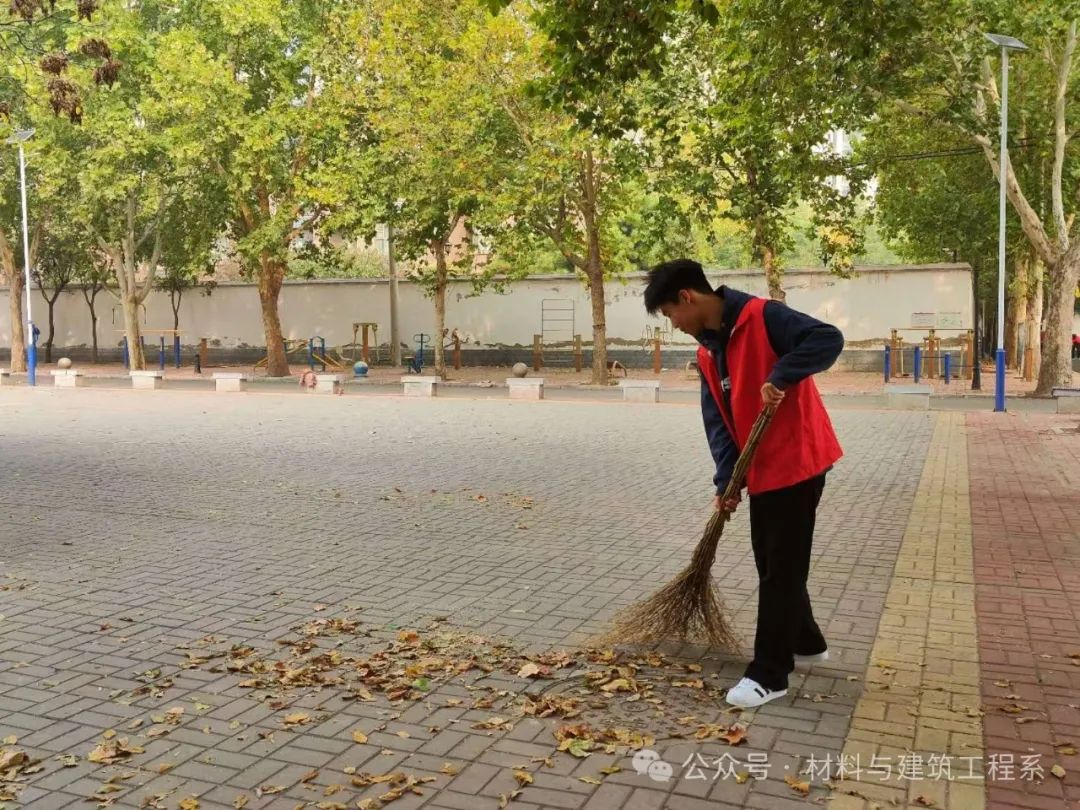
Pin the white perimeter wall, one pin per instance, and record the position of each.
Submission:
(865, 308)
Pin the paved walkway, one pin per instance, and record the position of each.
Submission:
(261, 600)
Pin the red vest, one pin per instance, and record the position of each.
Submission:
(799, 443)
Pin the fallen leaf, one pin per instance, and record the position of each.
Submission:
(491, 722)
(523, 777)
(578, 748)
(165, 767)
(70, 761)
(333, 789)
(106, 735)
(1067, 750)
(312, 774)
(1058, 771)
(590, 780)
(534, 670)
(10, 759)
(359, 737)
(617, 685)
(13, 740)
(922, 801)
(610, 769)
(269, 790)
(449, 769)
(190, 803)
(368, 804)
(693, 667)
(108, 752)
(403, 734)
(735, 734)
(800, 787)
(506, 798)
(240, 802)
(296, 719)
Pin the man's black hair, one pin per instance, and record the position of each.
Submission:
(667, 279)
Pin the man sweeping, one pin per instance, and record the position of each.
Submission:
(757, 352)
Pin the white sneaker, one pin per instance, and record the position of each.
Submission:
(817, 658)
(749, 694)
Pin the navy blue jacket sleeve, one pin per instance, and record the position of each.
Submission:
(803, 345)
(723, 448)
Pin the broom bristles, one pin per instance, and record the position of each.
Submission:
(689, 608)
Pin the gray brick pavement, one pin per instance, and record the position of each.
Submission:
(138, 524)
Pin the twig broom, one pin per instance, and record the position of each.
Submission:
(689, 607)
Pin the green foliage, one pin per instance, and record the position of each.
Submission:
(429, 72)
(336, 262)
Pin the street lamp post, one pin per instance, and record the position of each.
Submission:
(1006, 43)
(19, 137)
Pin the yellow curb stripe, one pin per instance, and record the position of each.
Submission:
(922, 683)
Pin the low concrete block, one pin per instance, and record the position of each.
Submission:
(900, 397)
(147, 380)
(525, 387)
(640, 390)
(1067, 399)
(329, 383)
(420, 386)
(67, 378)
(231, 381)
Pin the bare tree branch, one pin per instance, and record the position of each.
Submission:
(154, 225)
(557, 237)
(1029, 219)
(151, 269)
(1061, 137)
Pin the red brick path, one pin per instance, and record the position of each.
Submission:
(1025, 504)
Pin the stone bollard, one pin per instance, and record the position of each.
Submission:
(329, 383)
(67, 378)
(231, 381)
(420, 386)
(640, 390)
(147, 380)
(525, 388)
(907, 397)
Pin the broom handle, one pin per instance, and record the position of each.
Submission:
(735, 484)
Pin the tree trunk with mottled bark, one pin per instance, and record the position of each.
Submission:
(271, 277)
(438, 247)
(1061, 280)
